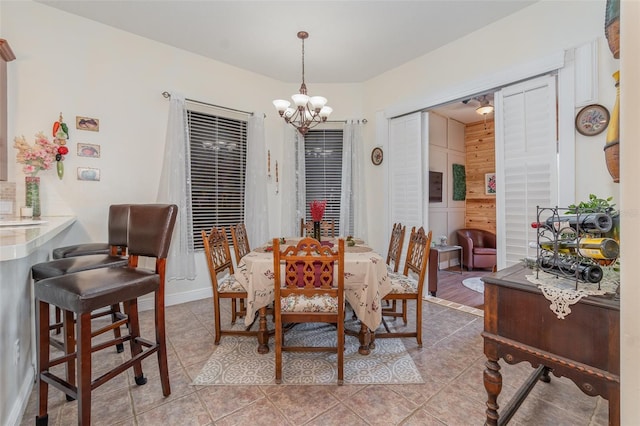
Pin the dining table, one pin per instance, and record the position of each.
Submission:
(365, 284)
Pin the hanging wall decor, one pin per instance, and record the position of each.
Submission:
(61, 136)
(88, 123)
(459, 182)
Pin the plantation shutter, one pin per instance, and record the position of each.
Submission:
(527, 163)
(405, 155)
(323, 170)
(218, 168)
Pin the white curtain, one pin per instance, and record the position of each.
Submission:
(353, 197)
(292, 184)
(175, 188)
(256, 209)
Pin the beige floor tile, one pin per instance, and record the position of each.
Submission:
(188, 410)
(260, 413)
(338, 415)
(380, 405)
(300, 404)
(221, 401)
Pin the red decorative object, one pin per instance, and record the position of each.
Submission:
(317, 209)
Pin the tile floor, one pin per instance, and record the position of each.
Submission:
(451, 363)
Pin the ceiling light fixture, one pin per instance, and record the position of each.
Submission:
(308, 111)
(485, 107)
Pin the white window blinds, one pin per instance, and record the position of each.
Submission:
(323, 171)
(218, 167)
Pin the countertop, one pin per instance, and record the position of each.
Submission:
(19, 238)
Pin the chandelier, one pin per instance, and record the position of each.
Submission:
(307, 111)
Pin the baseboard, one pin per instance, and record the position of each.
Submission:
(177, 298)
(20, 405)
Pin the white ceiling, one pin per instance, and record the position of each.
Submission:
(349, 41)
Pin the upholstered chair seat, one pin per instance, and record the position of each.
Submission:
(315, 303)
(229, 284)
(401, 284)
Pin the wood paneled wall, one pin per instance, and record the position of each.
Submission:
(480, 209)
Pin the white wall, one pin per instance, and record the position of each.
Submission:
(446, 147)
(79, 67)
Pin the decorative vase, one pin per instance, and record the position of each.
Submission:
(32, 187)
(612, 146)
(612, 26)
(316, 230)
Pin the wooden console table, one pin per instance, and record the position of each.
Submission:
(519, 326)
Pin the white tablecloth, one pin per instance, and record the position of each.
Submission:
(365, 281)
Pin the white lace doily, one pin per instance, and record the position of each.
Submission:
(562, 293)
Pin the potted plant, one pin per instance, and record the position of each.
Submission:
(599, 205)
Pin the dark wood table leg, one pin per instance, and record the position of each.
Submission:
(493, 385)
(365, 339)
(614, 405)
(433, 273)
(263, 333)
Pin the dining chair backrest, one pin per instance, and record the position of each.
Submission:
(308, 268)
(418, 255)
(240, 241)
(327, 228)
(395, 246)
(218, 254)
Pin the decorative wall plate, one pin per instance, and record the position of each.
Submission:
(376, 156)
(592, 120)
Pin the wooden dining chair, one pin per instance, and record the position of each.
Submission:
(218, 254)
(308, 290)
(394, 255)
(327, 228)
(409, 284)
(240, 241)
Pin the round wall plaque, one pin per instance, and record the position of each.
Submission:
(376, 156)
(592, 120)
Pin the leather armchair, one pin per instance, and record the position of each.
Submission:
(478, 248)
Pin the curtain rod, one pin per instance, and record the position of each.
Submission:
(168, 95)
(363, 121)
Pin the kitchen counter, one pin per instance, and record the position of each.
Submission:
(19, 238)
(22, 245)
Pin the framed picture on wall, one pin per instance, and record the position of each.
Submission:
(490, 184)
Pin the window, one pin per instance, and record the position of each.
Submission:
(218, 147)
(323, 171)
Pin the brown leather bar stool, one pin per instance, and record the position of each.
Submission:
(118, 227)
(87, 249)
(81, 293)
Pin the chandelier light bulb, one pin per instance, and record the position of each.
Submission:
(300, 99)
(325, 112)
(281, 105)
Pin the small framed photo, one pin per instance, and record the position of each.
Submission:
(88, 150)
(490, 184)
(88, 173)
(88, 123)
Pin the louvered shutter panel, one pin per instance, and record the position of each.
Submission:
(405, 170)
(529, 163)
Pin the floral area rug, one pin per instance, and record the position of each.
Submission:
(236, 361)
(474, 283)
